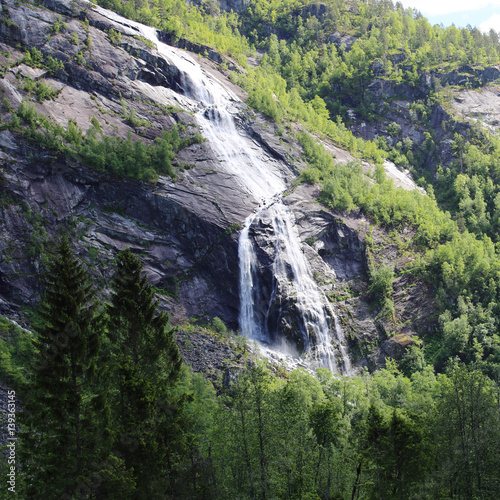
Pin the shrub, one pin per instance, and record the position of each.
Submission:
(219, 326)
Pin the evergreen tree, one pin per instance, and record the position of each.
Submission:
(64, 420)
(148, 417)
(406, 456)
(468, 431)
(376, 433)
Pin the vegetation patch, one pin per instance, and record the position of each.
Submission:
(121, 157)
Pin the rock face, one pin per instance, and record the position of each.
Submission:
(396, 103)
(186, 232)
(482, 104)
(227, 5)
(107, 214)
(211, 355)
(470, 77)
(344, 42)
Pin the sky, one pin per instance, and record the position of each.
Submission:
(485, 14)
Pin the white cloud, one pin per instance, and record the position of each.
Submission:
(436, 8)
(492, 23)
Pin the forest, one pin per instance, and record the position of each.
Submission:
(111, 412)
(109, 409)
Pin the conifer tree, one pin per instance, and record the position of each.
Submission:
(376, 432)
(146, 365)
(64, 414)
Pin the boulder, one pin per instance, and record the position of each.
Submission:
(342, 41)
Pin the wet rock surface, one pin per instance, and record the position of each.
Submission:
(186, 232)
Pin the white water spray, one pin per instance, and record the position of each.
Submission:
(212, 104)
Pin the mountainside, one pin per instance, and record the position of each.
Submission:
(98, 77)
(248, 249)
(186, 231)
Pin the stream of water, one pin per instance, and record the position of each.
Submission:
(239, 156)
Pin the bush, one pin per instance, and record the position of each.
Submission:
(381, 279)
(45, 92)
(115, 37)
(16, 353)
(394, 130)
(219, 326)
(125, 158)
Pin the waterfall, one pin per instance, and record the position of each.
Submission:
(316, 322)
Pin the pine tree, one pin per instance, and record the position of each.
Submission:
(64, 414)
(146, 365)
(376, 433)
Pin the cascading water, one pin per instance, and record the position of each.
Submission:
(291, 273)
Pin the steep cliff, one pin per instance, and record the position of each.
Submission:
(99, 68)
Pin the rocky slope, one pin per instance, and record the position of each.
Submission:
(185, 231)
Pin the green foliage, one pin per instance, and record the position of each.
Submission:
(178, 19)
(42, 90)
(468, 424)
(147, 42)
(470, 187)
(95, 123)
(135, 160)
(6, 105)
(109, 404)
(388, 435)
(393, 129)
(115, 37)
(219, 326)
(381, 279)
(16, 353)
(62, 398)
(131, 118)
(268, 94)
(379, 435)
(413, 360)
(345, 187)
(145, 366)
(303, 76)
(463, 267)
(53, 65)
(33, 58)
(301, 52)
(124, 158)
(58, 26)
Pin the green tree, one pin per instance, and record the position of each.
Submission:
(406, 456)
(376, 433)
(381, 287)
(148, 416)
(468, 433)
(65, 414)
(324, 422)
